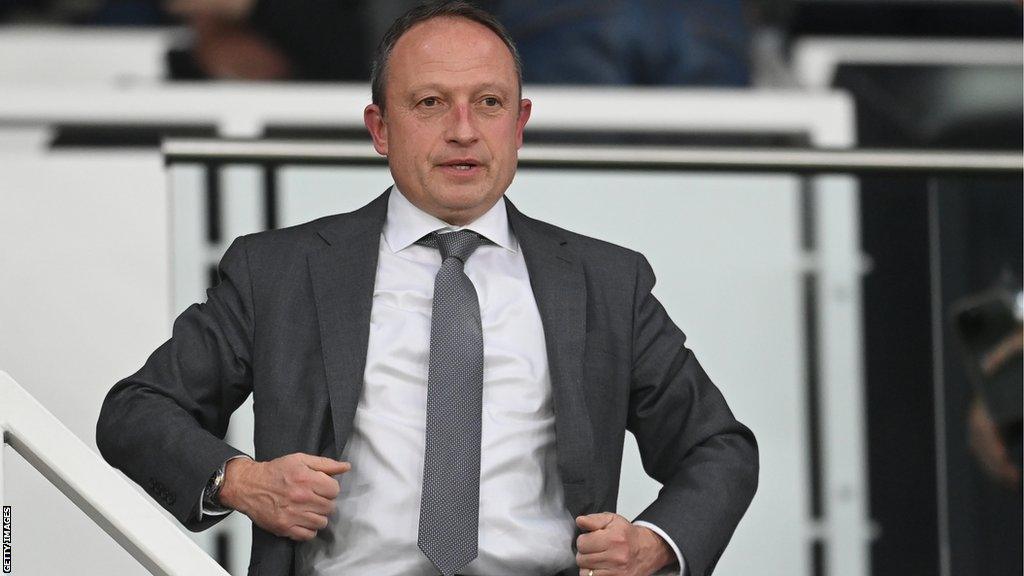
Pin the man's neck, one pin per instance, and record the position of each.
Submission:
(453, 218)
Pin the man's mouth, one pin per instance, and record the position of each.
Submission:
(461, 164)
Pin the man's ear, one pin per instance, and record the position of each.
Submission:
(525, 107)
(373, 117)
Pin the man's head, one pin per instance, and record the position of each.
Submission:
(447, 109)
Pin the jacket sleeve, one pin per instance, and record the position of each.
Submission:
(689, 440)
(164, 425)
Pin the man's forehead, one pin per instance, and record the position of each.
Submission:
(445, 38)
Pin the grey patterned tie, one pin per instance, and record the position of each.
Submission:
(450, 506)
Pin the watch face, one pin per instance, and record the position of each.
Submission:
(213, 487)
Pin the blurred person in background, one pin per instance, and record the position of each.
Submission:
(606, 42)
(277, 39)
(630, 42)
(305, 40)
(609, 42)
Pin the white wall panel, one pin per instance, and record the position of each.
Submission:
(84, 293)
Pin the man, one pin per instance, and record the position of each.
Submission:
(476, 401)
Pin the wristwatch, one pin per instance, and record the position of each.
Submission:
(211, 494)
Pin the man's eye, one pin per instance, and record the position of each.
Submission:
(429, 102)
(491, 102)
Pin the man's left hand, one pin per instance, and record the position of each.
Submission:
(612, 546)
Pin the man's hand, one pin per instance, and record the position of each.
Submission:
(289, 496)
(615, 547)
(988, 447)
(985, 440)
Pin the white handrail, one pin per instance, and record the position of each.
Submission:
(96, 488)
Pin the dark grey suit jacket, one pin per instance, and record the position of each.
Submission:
(289, 323)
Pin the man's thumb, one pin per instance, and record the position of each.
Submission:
(328, 466)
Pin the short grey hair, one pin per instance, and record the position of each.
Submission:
(429, 11)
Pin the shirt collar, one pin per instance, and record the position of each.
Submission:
(405, 224)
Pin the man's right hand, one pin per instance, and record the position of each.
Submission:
(289, 496)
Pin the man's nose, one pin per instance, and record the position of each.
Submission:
(461, 127)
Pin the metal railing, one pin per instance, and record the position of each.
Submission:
(804, 161)
(97, 489)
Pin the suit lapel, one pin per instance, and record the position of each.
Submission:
(343, 274)
(559, 287)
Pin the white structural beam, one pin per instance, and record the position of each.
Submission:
(244, 109)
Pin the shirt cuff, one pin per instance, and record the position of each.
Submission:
(668, 570)
(215, 510)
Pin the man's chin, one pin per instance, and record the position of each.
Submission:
(464, 204)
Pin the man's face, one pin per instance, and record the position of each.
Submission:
(453, 122)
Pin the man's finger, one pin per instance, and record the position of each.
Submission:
(313, 521)
(300, 533)
(326, 486)
(323, 505)
(598, 540)
(594, 560)
(591, 522)
(591, 543)
(326, 465)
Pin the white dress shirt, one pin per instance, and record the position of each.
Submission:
(524, 527)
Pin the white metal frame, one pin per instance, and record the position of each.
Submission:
(815, 59)
(94, 487)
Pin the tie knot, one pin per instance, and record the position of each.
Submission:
(459, 244)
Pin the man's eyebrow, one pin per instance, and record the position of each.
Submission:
(434, 87)
(492, 87)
